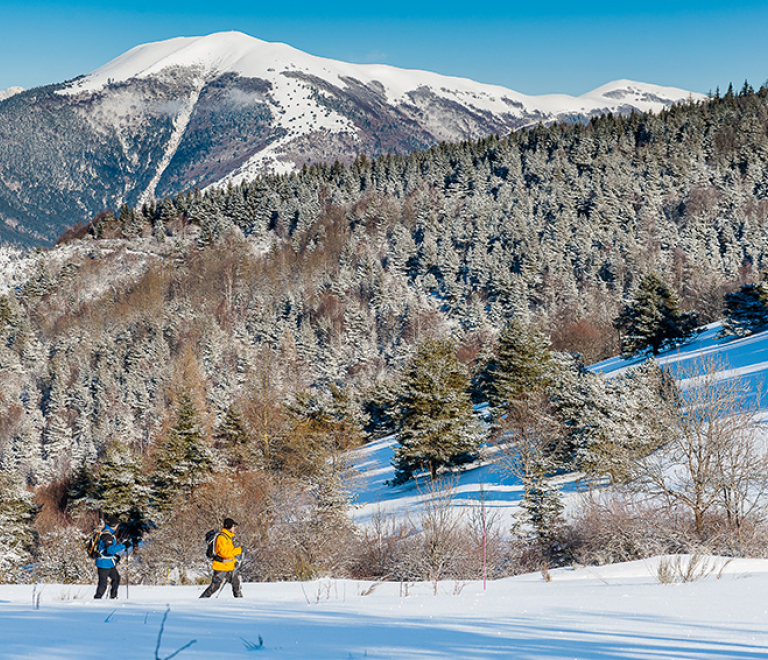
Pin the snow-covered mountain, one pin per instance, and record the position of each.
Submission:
(8, 93)
(322, 109)
(200, 111)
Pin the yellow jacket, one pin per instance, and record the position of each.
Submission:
(225, 551)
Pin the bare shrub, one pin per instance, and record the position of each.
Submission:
(377, 548)
(611, 528)
(721, 466)
(308, 535)
(438, 552)
(688, 568)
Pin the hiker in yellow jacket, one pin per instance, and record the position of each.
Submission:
(225, 561)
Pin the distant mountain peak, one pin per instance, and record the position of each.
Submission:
(644, 97)
(196, 112)
(11, 91)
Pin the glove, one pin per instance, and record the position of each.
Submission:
(128, 543)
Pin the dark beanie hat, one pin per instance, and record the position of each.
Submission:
(111, 520)
(229, 523)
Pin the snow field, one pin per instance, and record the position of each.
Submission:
(612, 612)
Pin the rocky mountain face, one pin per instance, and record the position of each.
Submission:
(199, 112)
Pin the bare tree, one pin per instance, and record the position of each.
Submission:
(529, 439)
(715, 461)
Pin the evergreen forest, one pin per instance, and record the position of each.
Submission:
(230, 345)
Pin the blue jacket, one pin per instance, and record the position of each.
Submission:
(110, 550)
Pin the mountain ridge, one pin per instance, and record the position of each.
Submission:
(196, 112)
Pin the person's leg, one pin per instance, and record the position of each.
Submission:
(236, 586)
(214, 586)
(103, 581)
(115, 577)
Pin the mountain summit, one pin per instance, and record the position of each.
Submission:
(201, 111)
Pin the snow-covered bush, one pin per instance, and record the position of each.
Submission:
(15, 529)
(63, 557)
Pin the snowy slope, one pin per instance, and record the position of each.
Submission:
(606, 613)
(743, 359)
(9, 92)
(486, 485)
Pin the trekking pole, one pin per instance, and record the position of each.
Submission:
(127, 573)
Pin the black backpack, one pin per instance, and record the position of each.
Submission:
(92, 544)
(210, 543)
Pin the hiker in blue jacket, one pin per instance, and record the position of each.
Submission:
(110, 552)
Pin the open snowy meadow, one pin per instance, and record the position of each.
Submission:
(641, 610)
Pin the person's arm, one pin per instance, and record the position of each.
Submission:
(225, 549)
(109, 545)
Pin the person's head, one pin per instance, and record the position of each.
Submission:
(229, 524)
(111, 520)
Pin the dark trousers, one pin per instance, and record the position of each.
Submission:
(219, 579)
(108, 575)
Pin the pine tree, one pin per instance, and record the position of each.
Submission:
(436, 425)
(16, 514)
(746, 310)
(234, 439)
(523, 365)
(121, 487)
(185, 458)
(321, 426)
(652, 319)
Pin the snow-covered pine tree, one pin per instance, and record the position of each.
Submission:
(185, 457)
(16, 515)
(523, 364)
(121, 487)
(234, 439)
(436, 425)
(652, 319)
(746, 310)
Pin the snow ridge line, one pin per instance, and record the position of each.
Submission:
(180, 123)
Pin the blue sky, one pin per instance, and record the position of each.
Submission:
(531, 47)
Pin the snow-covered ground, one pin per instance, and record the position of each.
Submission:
(619, 611)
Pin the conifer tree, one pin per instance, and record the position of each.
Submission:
(320, 427)
(523, 364)
(16, 514)
(121, 488)
(652, 319)
(541, 515)
(436, 425)
(234, 438)
(185, 458)
(746, 310)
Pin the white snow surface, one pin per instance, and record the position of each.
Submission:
(9, 92)
(606, 613)
(744, 359)
(248, 56)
